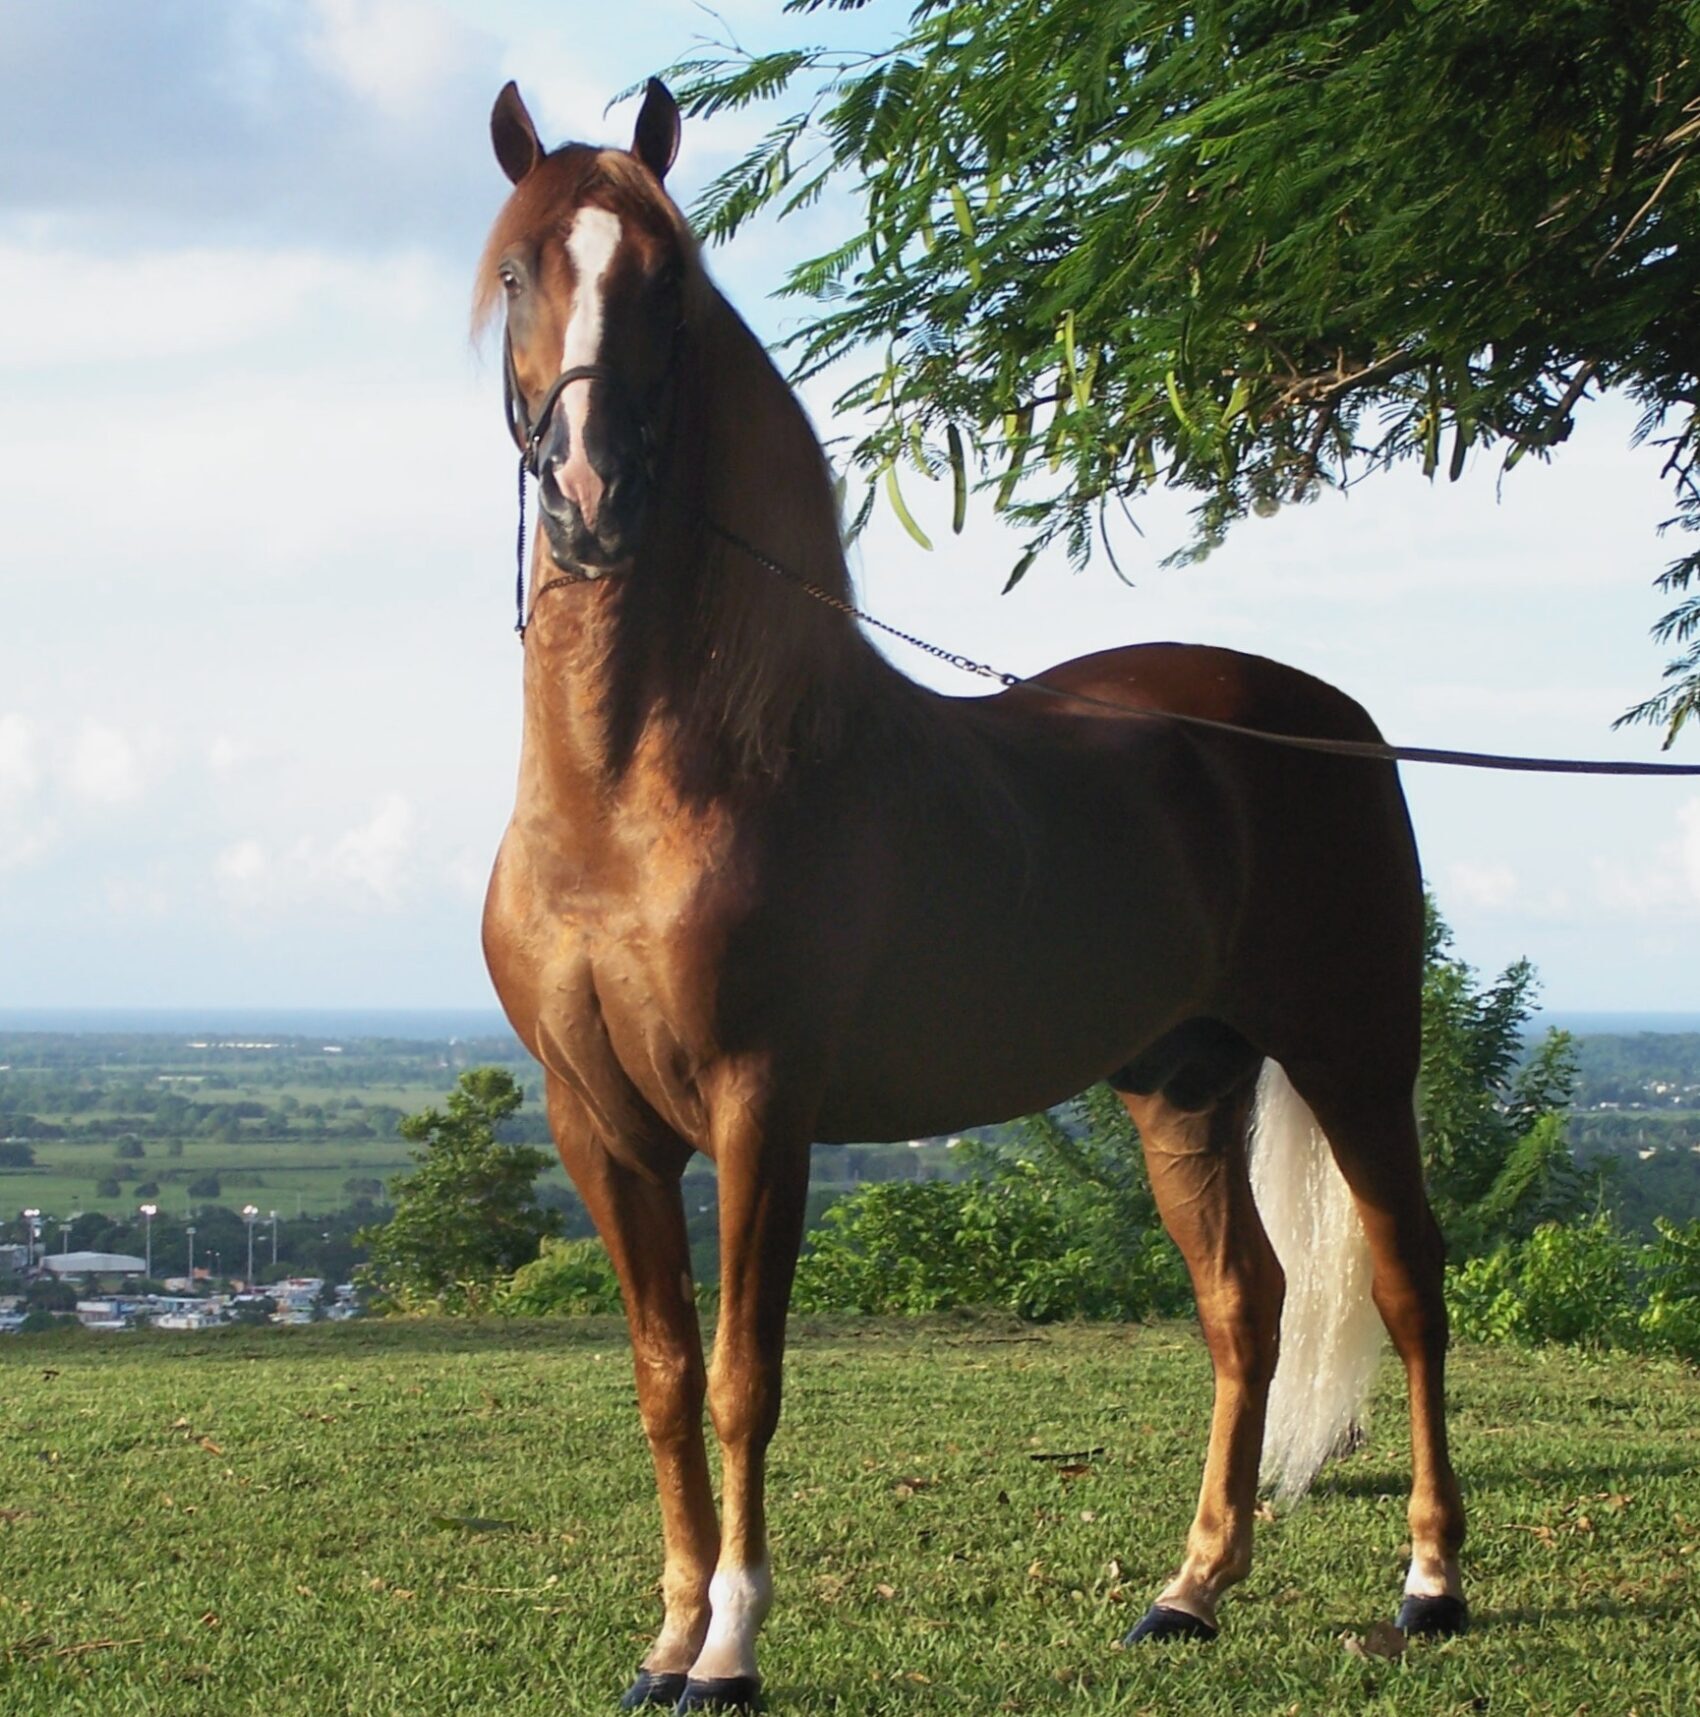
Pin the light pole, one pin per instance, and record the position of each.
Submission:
(32, 1230)
(249, 1213)
(190, 1231)
(65, 1236)
(149, 1212)
(274, 1239)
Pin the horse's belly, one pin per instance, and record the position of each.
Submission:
(982, 1030)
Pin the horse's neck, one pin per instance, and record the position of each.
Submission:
(697, 666)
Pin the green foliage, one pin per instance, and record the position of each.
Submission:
(1059, 1225)
(1670, 1309)
(1244, 250)
(466, 1218)
(1492, 1123)
(568, 1278)
(1584, 1284)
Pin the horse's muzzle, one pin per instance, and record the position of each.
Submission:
(595, 538)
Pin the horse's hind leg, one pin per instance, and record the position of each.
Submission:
(1374, 1141)
(1197, 1159)
(642, 1223)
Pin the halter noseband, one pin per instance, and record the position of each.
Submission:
(528, 431)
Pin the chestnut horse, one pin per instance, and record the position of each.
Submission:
(760, 890)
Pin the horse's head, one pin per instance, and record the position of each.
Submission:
(593, 263)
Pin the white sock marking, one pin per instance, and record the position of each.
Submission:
(739, 1599)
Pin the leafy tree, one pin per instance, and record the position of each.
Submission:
(16, 1154)
(465, 1218)
(1245, 250)
(1492, 1122)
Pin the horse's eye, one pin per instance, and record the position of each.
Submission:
(510, 282)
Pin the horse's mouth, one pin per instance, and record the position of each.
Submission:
(588, 554)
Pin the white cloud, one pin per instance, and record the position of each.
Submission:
(26, 831)
(84, 307)
(374, 856)
(395, 52)
(368, 865)
(1486, 886)
(1663, 884)
(105, 766)
(19, 768)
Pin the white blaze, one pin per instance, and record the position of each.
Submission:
(591, 244)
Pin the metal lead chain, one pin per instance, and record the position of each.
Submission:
(966, 664)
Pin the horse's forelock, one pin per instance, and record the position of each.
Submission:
(545, 202)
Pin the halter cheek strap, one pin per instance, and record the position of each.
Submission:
(528, 431)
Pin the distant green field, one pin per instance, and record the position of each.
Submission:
(283, 1176)
(276, 1524)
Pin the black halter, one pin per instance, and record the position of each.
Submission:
(528, 433)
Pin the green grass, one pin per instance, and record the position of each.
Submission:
(245, 1524)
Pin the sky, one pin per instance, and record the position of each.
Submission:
(258, 688)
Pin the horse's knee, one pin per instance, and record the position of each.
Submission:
(671, 1389)
(744, 1405)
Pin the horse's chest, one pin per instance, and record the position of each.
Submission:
(605, 990)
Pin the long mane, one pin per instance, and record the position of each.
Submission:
(750, 672)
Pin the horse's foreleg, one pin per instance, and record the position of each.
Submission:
(763, 1182)
(1203, 1191)
(642, 1223)
(1375, 1144)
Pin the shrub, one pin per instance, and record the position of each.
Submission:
(1670, 1318)
(1060, 1226)
(568, 1278)
(1586, 1284)
(204, 1186)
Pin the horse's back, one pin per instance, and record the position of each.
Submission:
(1209, 682)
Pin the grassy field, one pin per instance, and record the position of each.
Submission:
(433, 1519)
(289, 1176)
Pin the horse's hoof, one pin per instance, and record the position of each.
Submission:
(651, 1688)
(1161, 1622)
(1438, 1617)
(721, 1693)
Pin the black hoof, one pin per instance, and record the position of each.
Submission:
(652, 1689)
(1161, 1622)
(721, 1693)
(1435, 1617)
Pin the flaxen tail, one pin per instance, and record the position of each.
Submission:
(1330, 1330)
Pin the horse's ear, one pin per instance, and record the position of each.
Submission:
(656, 140)
(513, 134)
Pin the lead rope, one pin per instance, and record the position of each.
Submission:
(1363, 748)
